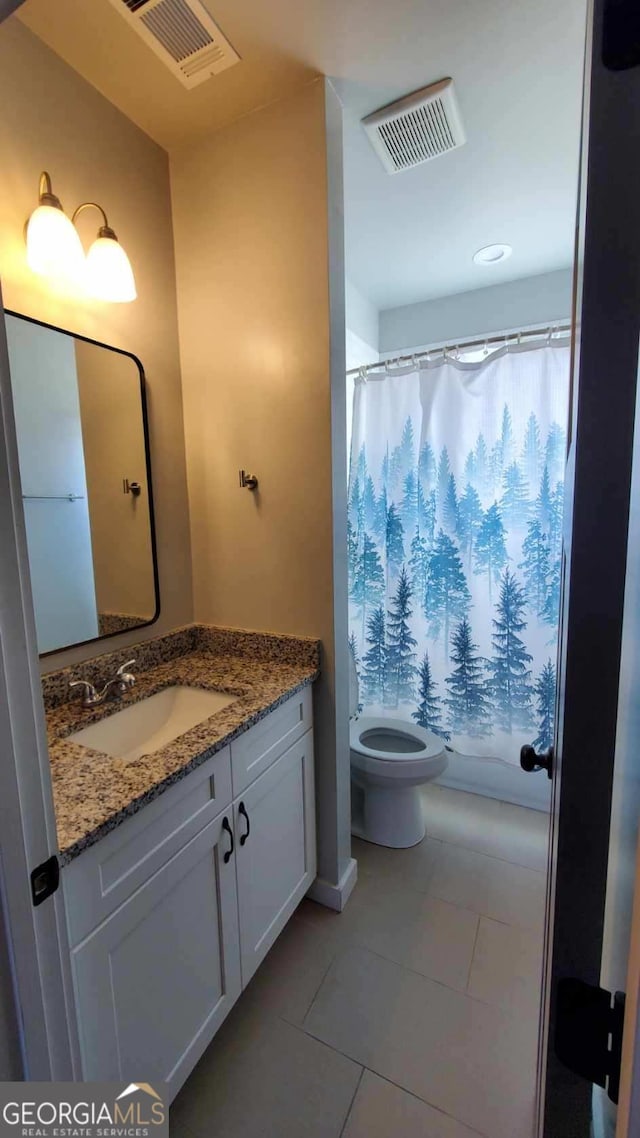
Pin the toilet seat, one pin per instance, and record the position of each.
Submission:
(427, 755)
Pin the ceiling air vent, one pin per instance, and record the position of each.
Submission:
(183, 35)
(415, 129)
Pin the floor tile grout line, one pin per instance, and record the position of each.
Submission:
(391, 878)
(483, 853)
(473, 956)
(425, 1102)
(405, 968)
(412, 971)
(487, 916)
(492, 857)
(351, 941)
(459, 846)
(317, 991)
(323, 1042)
(437, 859)
(386, 1079)
(353, 1099)
(453, 905)
(433, 810)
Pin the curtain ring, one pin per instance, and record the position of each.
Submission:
(486, 349)
(362, 374)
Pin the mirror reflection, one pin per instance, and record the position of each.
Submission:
(82, 448)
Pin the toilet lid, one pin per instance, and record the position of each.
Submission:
(354, 686)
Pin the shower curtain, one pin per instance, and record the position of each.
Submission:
(454, 543)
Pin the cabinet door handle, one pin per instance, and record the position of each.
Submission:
(229, 831)
(242, 811)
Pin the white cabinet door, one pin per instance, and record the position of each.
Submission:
(275, 850)
(155, 980)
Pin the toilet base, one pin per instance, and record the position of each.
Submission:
(390, 817)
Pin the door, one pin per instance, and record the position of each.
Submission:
(36, 934)
(275, 850)
(156, 979)
(605, 363)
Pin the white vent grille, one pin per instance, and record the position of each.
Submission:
(417, 128)
(183, 35)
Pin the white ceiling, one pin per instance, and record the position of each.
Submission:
(517, 68)
(517, 65)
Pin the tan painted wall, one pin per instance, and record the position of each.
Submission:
(251, 228)
(113, 441)
(60, 123)
(250, 221)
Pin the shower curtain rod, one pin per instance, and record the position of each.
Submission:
(532, 333)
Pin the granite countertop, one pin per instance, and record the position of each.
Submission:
(93, 792)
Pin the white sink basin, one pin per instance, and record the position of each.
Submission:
(147, 726)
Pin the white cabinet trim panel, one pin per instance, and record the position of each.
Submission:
(254, 751)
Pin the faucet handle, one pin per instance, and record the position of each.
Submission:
(89, 693)
(126, 678)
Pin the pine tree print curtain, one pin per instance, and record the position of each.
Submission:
(455, 531)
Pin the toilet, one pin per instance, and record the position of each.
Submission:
(390, 760)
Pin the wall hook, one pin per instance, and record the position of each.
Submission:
(247, 481)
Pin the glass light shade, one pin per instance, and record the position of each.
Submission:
(54, 248)
(109, 275)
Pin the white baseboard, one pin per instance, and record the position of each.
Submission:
(335, 896)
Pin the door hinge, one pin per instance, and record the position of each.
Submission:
(588, 1035)
(45, 879)
(621, 35)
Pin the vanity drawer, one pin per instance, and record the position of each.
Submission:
(104, 876)
(262, 744)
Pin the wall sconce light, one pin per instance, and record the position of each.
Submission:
(53, 243)
(109, 275)
(54, 249)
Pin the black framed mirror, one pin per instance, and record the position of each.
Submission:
(85, 469)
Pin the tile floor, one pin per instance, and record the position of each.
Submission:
(413, 1014)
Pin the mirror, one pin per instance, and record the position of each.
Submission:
(83, 451)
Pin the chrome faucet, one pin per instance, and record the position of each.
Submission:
(113, 689)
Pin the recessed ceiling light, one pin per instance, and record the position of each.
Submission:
(491, 254)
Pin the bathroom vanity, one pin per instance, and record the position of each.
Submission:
(181, 867)
(182, 767)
